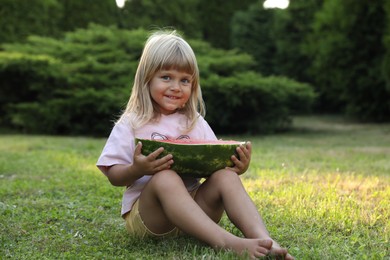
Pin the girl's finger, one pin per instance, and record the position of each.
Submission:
(235, 160)
(164, 166)
(153, 155)
(244, 158)
(247, 149)
(163, 160)
(238, 164)
(138, 149)
(248, 146)
(241, 153)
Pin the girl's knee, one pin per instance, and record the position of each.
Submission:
(165, 179)
(224, 176)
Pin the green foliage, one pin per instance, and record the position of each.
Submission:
(234, 93)
(216, 18)
(89, 51)
(78, 84)
(86, 112)
(221, 62)
(85, 91)
(275, 38)
(248, 102)
(21, 18)
(38, 96)
(289, 32)
(252, 32)
(347, 49)
(153, 14)
(340, 48)
(80, 13)
(386, 57)
(26, 78)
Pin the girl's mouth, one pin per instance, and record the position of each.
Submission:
(173, 97)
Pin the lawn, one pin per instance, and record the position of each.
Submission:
(323, 190)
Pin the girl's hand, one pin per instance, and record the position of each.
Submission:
(242, 164)
(149, 164)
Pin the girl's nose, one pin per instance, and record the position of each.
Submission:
(175, 86)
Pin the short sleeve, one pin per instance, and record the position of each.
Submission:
(119, 148)
(206, 129)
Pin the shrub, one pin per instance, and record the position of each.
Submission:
(71, 86)
(78, 84)
(249, 103)
(85, 112)
(26, 78)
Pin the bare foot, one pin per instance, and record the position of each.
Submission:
(280, 253)
(251, 247)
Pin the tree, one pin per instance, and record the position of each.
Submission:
(157, 14)
(22, 18)
(276, 37)
(19, 18)
(79, 13)
(386, 58)
(290, 29)
(347, 49)
(215, 18)
(252, 33)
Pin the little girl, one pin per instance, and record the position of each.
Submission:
(166, 103)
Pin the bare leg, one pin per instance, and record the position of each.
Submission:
(165, 203)
(224, 191)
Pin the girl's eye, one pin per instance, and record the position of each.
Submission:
(186, 81)
(166, 77)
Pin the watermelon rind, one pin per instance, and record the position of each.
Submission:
(192, 159)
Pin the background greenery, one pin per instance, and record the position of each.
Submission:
(323, 190)
(77, 59)
(79, 83)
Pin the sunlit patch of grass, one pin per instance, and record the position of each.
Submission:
(317, 209)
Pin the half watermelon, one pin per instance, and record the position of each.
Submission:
(194, 158)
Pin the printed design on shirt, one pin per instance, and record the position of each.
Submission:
(158, 136)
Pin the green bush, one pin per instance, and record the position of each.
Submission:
(26, 78)
(249, 103)
(223, 63)
(79, 84)
(100, 56)
(85, 112)
(71, 86)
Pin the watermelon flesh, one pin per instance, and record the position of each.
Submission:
(194, 158)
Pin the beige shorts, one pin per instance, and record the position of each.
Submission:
(135, 225)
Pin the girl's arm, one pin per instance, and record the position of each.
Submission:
(123, 174)
(127, 174)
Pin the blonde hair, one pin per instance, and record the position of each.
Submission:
(163, 50)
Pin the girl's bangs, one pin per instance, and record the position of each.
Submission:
(177, 60)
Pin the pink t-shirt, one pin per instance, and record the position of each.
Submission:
(120, 147)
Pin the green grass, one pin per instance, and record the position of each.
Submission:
(323, 190)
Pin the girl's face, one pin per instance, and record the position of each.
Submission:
(170, 89)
